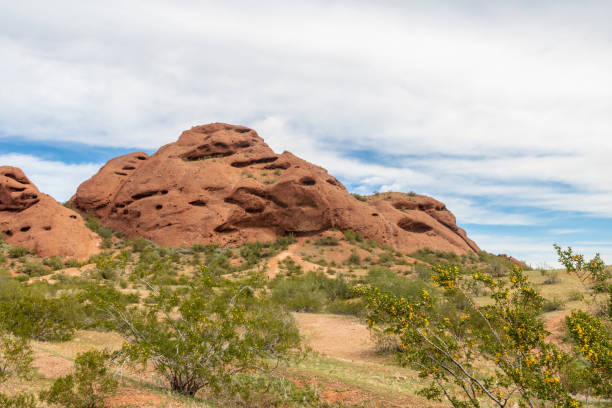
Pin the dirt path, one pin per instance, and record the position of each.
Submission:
(273, 267)
(342, 337)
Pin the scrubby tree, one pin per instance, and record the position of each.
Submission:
(494, 351)
(90, 384)
(591, 330)
(15, 361)
(205, 335)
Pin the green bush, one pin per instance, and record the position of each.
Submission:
(34, 268)
(15, 361)
(310, 292)
(89, 385)
(354, 258)
(353, 237)
(94, 224)
(18, 252)
(359, 197)
(326, 241)
(217, 329)
(55, 263)
(390, 282)
(29, 312)
(552, 305)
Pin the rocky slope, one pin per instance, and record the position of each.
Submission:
(35, 220)
(222, 184)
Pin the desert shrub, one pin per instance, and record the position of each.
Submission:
(422, 271)
(71, 263)
(310, 292)
(106, 266)
(291, 267)
(217, 329)
(23, 400)
(2, 258)
(354, 258)
(359, 197)
(254, 390)
(198, 248)
(552, 278)
(254, 252)
(34, 268)
(94, 224)
(15, 361)
(353, 236)
(326, 241)
(139, 244)
(354, 307)
(553, 304)
(55, 263)
(388, 281)
(455, 349)
(28, 312)
(18, 252)
(591, 331)
(89, 385)
(15, 356)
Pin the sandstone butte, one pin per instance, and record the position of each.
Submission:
(222, 184)
(38, 222)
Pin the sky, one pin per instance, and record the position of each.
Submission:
(502, 110)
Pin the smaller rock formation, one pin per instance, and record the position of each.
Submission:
(38, 222)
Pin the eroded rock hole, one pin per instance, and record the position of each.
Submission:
(225, 228)
(198, 203)
(25, 229)
(128, 168)
(120, 173)
(16, 189)
(254, 161)
(17, 179)
(242, 130)
(141, 158)
(413, 226)
(73, 217)
(47, 228)
(8, 233)
(307, 181)
(405, 205)
(148, 194)
(332, 182)
(159, 207)
(164, 192)
(374, 214)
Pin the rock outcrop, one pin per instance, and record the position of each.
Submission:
(222, 184)
(35, 220)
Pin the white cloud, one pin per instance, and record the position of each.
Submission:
(505, 103)
(55, 178)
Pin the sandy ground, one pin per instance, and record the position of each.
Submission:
(341, 337)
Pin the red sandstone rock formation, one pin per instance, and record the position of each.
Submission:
(222, 184)
(35, 220)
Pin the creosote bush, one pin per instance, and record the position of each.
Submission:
(90, 384)
(15, 361)
(454, 349)
(206, 335)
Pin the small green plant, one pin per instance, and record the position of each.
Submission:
(90, 384)
(277, 172)
(354, 258)
(18, 252)
(55, 263)
(326, 241)
(206, 335)
(359, 197)
(94, 224)
(353, 237)
(15, 361)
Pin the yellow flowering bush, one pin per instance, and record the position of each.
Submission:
(472, 353)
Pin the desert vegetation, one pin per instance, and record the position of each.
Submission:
(262, 324)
